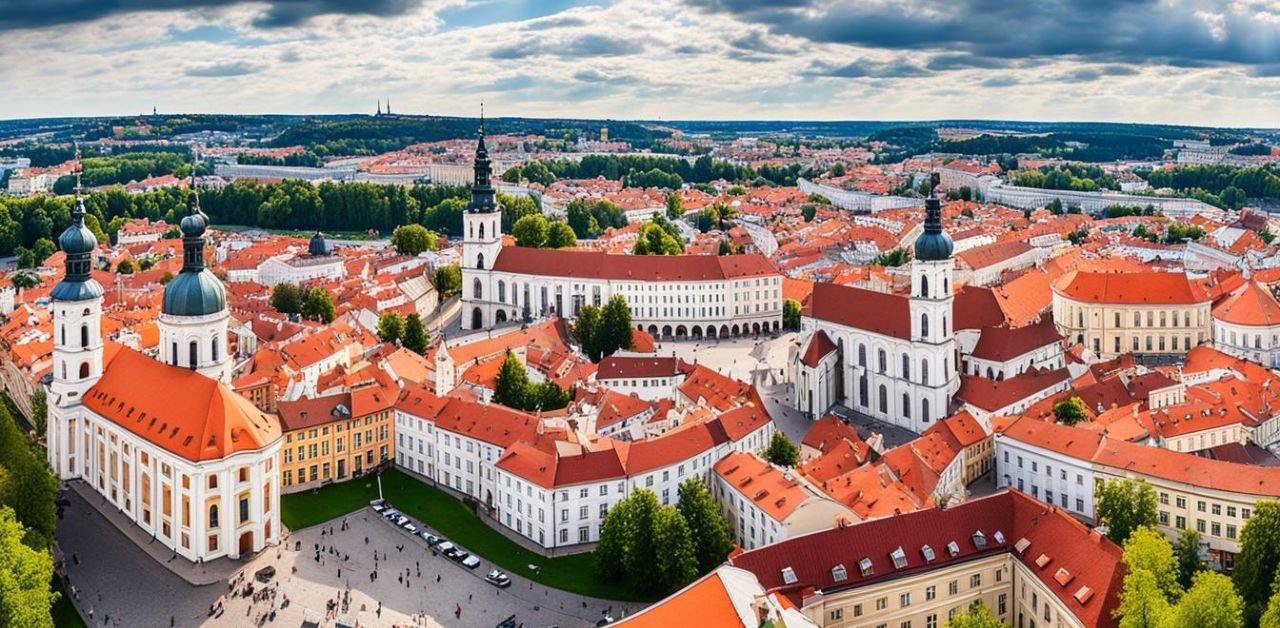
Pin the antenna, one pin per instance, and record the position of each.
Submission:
(482, 117)
(79, 166)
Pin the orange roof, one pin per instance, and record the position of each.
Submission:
(773, 492)
(1251, 304)
(1138, 288)
(207, 421)
(706, 602)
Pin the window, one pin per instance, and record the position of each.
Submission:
(193, 354)
(244, 509)
(930, 592)
(213, 516)
(975, 581)
(837, 614)
(953, 587)
(904, 600)
(882, 603)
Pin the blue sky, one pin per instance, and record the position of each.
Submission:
(1212, 62)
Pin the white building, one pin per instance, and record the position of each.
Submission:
(1246, 324)
(176, 451)
(1062, 476)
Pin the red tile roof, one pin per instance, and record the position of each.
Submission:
(1002, 343)
(598, 265)
(620, 367)
(990, 394)
(1251, 305)
(819, 346)
(1139, 288)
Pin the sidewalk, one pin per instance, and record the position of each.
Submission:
(218, 570)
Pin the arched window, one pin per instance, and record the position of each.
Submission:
(863, 397)
(213, 516)
(924, 410)
(924, 325)
(84, 370)
(477, 289)
(482, 231)
(906, 367)
(862, 356)
(924, 371)
(924, 285)
(84, 336)
(990, 374)
(213, 348)
(884, 399)
(502, 291)
(62, 329)
(480, 260)
(906, 405)
(173, 354)
(945, 330)
(884, 361)
(193, 354)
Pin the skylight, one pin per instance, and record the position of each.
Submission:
(788, 575)
(999, 537)
(839, 574)
(953, 549)
(979, 540)
(899, 558)
(864, 566)
(928, 554)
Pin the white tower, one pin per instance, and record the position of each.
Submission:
(445, 371)
(77, 315)
(481, 242)
(193, 320)
(933, 317)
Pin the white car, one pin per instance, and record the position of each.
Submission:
(411, 528)
(471, 562)
(401, 520)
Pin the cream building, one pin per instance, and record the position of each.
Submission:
(764, 504)
(1156, 316)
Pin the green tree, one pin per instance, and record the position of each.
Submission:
(1055, 206)
(791, 314)
(26, 257)
(781, 451)
(1142, 604)
(390, 327)
(415, 336)
(1259, 558)
(641, 547)
(546, 395)
(1124, 506)
(39, 410)
(611, 550)
(531, 231)
(706, 524)
(286, 298)
(838, 170)
(587, 330)
(677, 563)
(1069, 411)
(615, 326)
(512, 386)
(977, 616)
(166, 277)
(1233, 197)
(126, 267)
(1271, 616)
(675, 206)
(318, 305)
(1148, 549)
(1187, 551)
(560, 235)
(1211, 601)
(448, 279)
(894, 258)
(42, 249)
(25, 280)
(26, 483)
(654, 240)
(25, 575)
(808, 211)
(412, 239)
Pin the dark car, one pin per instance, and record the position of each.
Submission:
(509, 622)
(265, 574)
(431, 539)
(456, 554)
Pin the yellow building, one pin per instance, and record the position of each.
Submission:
(1152, 314)
(335, 437)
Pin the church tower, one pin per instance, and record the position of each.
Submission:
(933, 314)
(445, 371)
(481, 239)
(77, 314)
(193, 319)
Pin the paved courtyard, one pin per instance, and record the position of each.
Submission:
(125, 586)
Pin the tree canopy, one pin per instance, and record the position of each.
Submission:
(1259, 558)
(318, 306)
(1125, 505)
(1069, 411)
(25, 574)
(782, 451)
(414, 337)
(412, 239)
(287, 298)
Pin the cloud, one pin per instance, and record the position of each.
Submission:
(231, 68)
(1223, 31)
(1001, 81)
(586, 45)
(868, 68)
(24, 14)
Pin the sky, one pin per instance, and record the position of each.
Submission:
(1200, 62)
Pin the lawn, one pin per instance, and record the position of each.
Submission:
(64, 613)
(440, 510)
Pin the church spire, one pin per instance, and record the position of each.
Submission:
(78, 243)
(482, 192)
(933, 245)
(193, 226)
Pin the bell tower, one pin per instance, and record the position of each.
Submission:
(481, 239)
(77, 314)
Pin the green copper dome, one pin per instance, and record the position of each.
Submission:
(317, 246)
(934, 245)
(77, 239)
(194, 294)
(78, 243)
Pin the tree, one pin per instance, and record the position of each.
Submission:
(615, 326)
(26, 484)
(1148, 549)
(1142, 604)
(677, 564)
(560, 236)
(412, 239)
(977, 616)
(893, 258)
(1069, 411)
(654, 240)
(448, 279)
(791, 314)
(390, 327)
(42, 249)
(641, 548)
(126, 267)
(1055, 206)
(286, 298)
(706, 524)
(531, 231)
(782, 451)
(611, 550)
(1271, 616)
(319, 306)
(808, 211)
(1211, 601)
(166, 277)
(415, 336)
(675, 206)
(1187, 551)
(25, 574)
(39, 410)
(25, 280)
(1259, 558)
(1124, 506)
(1233, 197)
(838, 170)
(587, 329)
(512, 384)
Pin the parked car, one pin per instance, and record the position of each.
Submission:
(431, 539)
(471, 562)
(444, 547)
(380, 507)
(413, 529)
(390, 514)
(401, 520)
(498, 579)
(457, 554)
(509, 622)
(265, 574)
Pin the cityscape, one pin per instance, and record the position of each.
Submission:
(707, 313)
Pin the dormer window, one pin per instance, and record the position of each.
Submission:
(839, 574)
(928, 554)
(789, 575)
(864, 567)
(979, 540)
(899, 558)
(953, 549)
